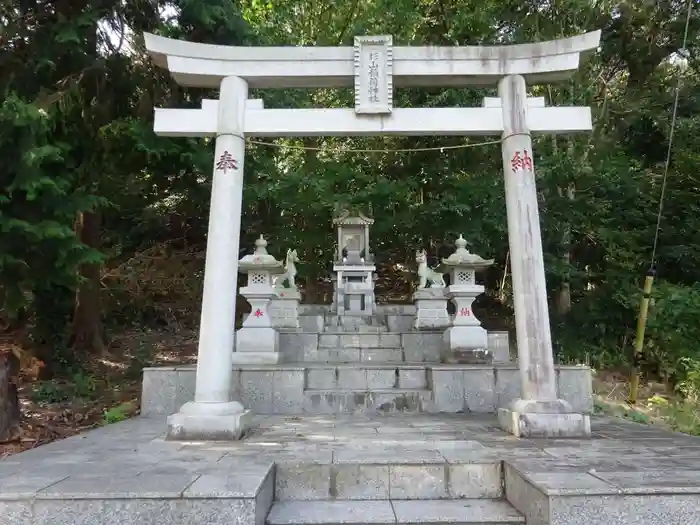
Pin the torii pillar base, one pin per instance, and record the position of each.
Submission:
(209, 422)
(541, 419)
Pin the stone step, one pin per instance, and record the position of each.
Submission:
(362, 329)
(370, 471)
(354, 354)
(350, 321)
(367, 376)
(359, 340)
(384, 401)
(453, 512)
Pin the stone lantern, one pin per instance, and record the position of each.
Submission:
(466, 340)
(257, 342)
(354, 266)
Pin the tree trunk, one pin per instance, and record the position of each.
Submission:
(564, 295)
(311, 289)
(87, 333)
(9, 402)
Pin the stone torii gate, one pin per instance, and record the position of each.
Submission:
(373, 66)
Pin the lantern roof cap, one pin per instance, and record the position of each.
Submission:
(260, 259)
(464, 258)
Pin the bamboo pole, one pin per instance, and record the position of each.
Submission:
(639, 341)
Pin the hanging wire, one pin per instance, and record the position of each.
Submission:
(670, 139)
(651, 272)
(385, 150)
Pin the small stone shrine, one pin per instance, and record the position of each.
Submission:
(465, 340)
(354, 267)
(258, 340)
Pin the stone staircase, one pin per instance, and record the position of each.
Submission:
(374, 365)
(406, 512)
(352, 388)
(342, 347)
(374, 324)
(379, 488)
(361, 367)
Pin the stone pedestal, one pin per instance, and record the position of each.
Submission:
(431, 309)
(499, 346)
(284, 309)
(354, 289)
(543, 419)
(465, 339)
(209, 421)
(257, 342)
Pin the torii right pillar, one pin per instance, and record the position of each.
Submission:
(539, 413)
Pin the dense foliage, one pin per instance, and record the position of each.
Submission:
(103, 224)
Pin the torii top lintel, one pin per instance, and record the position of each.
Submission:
(204, 65)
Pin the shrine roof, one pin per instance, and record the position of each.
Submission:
(346, 219)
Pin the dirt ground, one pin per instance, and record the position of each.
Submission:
(105, 390)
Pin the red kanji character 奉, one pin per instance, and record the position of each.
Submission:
(226, 162)
(258, 313)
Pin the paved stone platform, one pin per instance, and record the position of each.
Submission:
(127, 473)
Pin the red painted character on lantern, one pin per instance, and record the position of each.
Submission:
(521, 162)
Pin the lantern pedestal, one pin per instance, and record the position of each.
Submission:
(431, 309)
(466, 340)
(257, 342)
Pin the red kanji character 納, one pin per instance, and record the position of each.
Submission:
(516, 162)
(527, 161)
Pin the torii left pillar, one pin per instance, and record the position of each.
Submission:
(213, 415)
